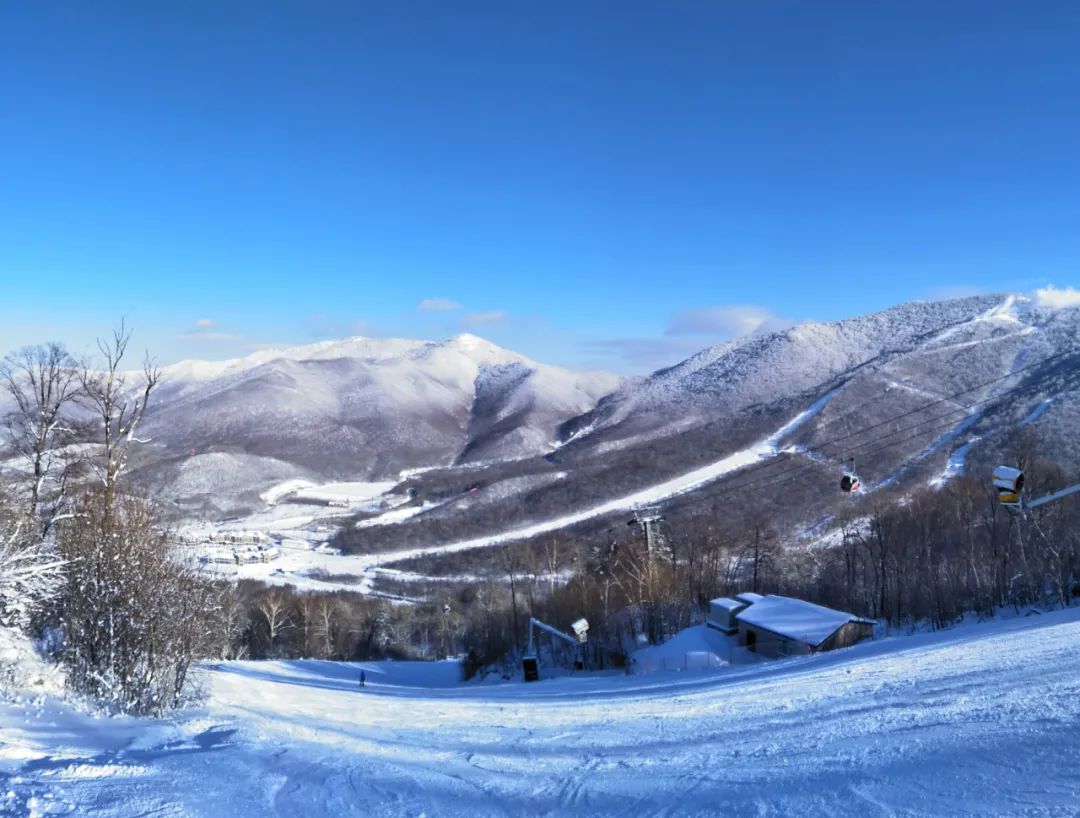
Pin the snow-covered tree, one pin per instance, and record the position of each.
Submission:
(135, 616)
(273, 607)
(41, 381)
(30, 570)
(119, 407)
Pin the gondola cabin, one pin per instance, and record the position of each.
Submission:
(1009, 485)
(849, 483)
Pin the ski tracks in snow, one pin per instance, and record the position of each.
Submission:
(981, 721)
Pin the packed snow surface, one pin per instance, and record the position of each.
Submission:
(981, 720)
(694, 648)
(955, 465)
(349, 492)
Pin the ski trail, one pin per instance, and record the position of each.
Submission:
(764, 449)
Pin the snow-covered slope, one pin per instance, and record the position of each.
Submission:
(884, 364)
(977, 721)
(988, 368)
(363, 408)
(759, 369)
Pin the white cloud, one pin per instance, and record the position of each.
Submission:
(477, 319)
(437, 305)
(1057, 299)
(205, 323)
(728, 322)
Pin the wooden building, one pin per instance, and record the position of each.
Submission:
(781, 626)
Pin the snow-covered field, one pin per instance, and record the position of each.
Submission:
(981, 720)
(306, 491)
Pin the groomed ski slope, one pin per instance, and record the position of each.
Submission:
(294, 568)
(980, 720)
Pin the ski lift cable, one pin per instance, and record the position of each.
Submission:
(1074, 380)
(939, 422)
(804, 469)
(772, 464)
(799, 471)
(863, 449)
(941, 425)
(954, 395)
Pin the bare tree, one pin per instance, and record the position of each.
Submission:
(326, 616)
(232, 623)
(553, 562)
(119, 407)
(274, 609)
(512, 564)
(41, 380)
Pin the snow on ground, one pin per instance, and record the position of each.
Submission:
(349, 492)
(980, 720)
(937, 444)
(955, 465)
(275, 493)
(696, 648)
(397, 515)
(21, 668)
(296, 569)
(1037, 412)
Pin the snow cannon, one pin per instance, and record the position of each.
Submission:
(581, 629)
(1009, 484)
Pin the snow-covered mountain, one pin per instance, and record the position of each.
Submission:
(357, 408)
(970, 381)
(918, 341)
(880, 364)
(367, 409)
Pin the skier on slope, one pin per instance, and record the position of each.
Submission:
(363, 678)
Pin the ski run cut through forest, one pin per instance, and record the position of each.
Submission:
(980, 719)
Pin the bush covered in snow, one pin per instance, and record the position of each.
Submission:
(30, 569)
(134, 617)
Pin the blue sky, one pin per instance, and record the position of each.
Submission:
(601, 184)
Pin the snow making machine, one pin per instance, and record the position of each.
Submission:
(1009, 485)
(530, 662)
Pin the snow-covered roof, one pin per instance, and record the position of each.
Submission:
(749, 597)
(795, 619)
(727, 603)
